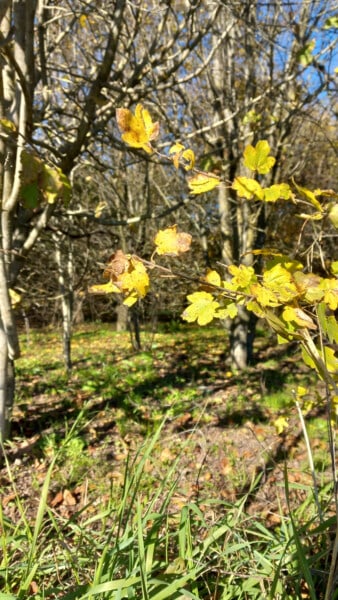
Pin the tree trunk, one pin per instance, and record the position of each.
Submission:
(122, 317)
(242, 331)
(64, 266)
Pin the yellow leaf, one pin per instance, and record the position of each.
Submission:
(137, 130)
(298, 316)
(104, 288)
(310, 196)
(15, 298)
(214, 278)
(136, 279)
(83, 20)
(203, 308)
(333, 215)
(330, 287)
(203, 182)
(230, 311)
(281, 423)
(242, 276)
(276, 192)
(257, 158)
(248, 188)
(176, 150)
(185, 156)
(264, 296)
(131, 299)
(8, 125)
(172, 243)
(279, 280)
(189, 158)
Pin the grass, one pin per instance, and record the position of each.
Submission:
(136, 476)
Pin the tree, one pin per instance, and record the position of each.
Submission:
(271, 71)
(64, 68)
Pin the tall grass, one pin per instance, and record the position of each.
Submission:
(139, 545)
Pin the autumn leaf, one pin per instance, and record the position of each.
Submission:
(327, 355)
(333, 215)
(263, 295)
(203, 182)
(328, 323)
(183, 156)
(136, 279)
(281, 191)
(104, 288)
(213, 278)
(298, 316)
(281, 423)
(137, 130)
(279, 280)
(257, 158)
(242, 276)
(176, 150)
(203, 308)
(118, 263)
(308, 285)
(170, 242)
(248, 188)
(330, 288)
(309, 195)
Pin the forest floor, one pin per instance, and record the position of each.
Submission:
(229, 433)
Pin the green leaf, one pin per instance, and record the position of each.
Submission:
(305, 56)
(331, 23)
(328, 323)
(333, 215)
(30, 195)
(54, 185)
(257, 158)
(327, 356)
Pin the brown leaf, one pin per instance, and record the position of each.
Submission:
(118, 263)
(68, 498)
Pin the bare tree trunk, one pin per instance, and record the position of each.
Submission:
(122, 317)
(65, 275)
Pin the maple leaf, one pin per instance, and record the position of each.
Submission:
(118, 263)
(279, 280)
(257, 158)
(136, 279)
(263, 295)
(203, 182)
(137, 130)
(280, 191)
(243, 276)
(203, 308)
(170, 242)
(248, 188)
(308, 285)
